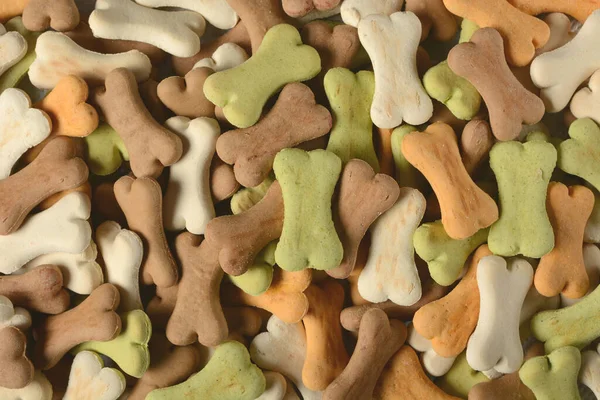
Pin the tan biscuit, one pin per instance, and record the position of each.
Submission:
(363, 197)
(295, 118)
(337, 44)
(434, 18)
(450, 321)
(378, 340)
(60, 15)
(151, 146)
(465, 208)
(476, 142)
(299, 8)
(510, 105)
(57, 168)
(141, 201)
(161, 306)
(245, 321)
(326, 356)
(198, 295)
(105, 203)
(38, 290)
(16, 371)
(94, 319)
(185, 96)
(223, 184)
(239, 238)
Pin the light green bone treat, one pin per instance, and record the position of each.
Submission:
(445, 256)
(523, 171)
(455, 92)
(580, 155)
(229, 375)
(243, 91)
(350, 97)
(14, 74)
(309, 238)
(461, 378)
(259, 276)
(130, 349)
(576, 325)
(248, 197)
(467, 30)
(105, 150)
(553, 377)
(406, 174)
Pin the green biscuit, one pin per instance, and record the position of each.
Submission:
(580, 155)
(406, 174)
(455, 92)
(229, 375)
(130, 349)
(248, 197)
(243, 91)
(14, 74)
(576, 325)
(259, 276)
(467, 30)
(523, 171)
(461, 378)
(350, 96)
(445, 256)
(553, 377)
(309, 238)
(105, 150)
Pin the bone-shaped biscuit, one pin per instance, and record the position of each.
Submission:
(13, 316)
(495, 343)
(188, 201)
(281, 59)
(22, 128)
(560, 32)
(450, 321)
(353, 11)
(476, 141)
(481, 61)
(363, 197)
(580, 155)
(590, 371)
(122, 251)
(580, 57)
(523, 173)
(59, 56)
(198, 295)
(60, 15)
(38, 389)
(40, 290)
(61, 228)
(90, 379)
(563, 269)
(177, 32)
(14, 48)
(282, 348)
(295, 118)
(236, 236)
(285, 297)
(391, 42)
(434, 18)
(80, 272)
(105, 152)
(16, 371)
(522, 33)
(586, 102)
(433, 363)
(226, 56)
(553, 376)
(94, 319)
(465, 208)
(12, 9)
(300, 8)
(390, 271)
(581, 10)
(161, 306)
(217, 12)
(141, 201)
(460, 378)
(337, 45)
(185, 96)
(591, 262)
(378, 340)
(223, 184)
(403, 377)
(15, 74)
(56, 169)
(151, 146)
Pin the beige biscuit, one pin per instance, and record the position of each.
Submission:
(60, 15)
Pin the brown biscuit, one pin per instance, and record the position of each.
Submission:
(94, 319)
(16, 371)
(510, 105)
(149, 95)
(40, 289)
(378, 340)
(239, 238)
(295, 118)
(185, 96)
(161, 306)
(222, 180)
(435, 19)
(383, 149)
(245, 321)
(57, 168)
(60, 15)
(299, 8)
(141, 201)
(151, 146)
(106, 205)
(363, 197)
(198, 295)
(476, 142)
(337, 44)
